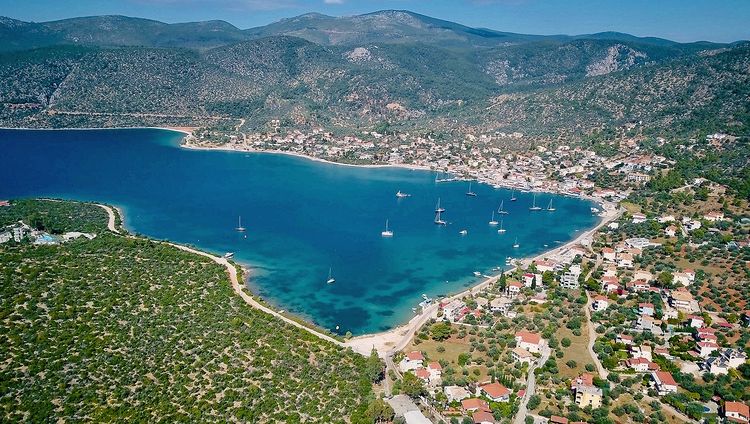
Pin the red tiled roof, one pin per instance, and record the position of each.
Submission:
(415, 356)
(495, 390)
(422, 373)
(558, 419)
(475, 404)
(665, 378)
(483, 417)
(435, 366)
(737, 407)
(527, 337)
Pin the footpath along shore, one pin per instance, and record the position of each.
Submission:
(232, 271)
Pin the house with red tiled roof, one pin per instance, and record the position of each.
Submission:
(664, 382)
(513, 288)
(422, 374)
(483, 417)
(736, 412)
(529, 341)
(495, 392)
(641, 365)
(556, 419)
(475, 404)
(411, 361)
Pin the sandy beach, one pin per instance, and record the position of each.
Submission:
(391, 341)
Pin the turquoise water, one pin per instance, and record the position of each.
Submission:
(302, 217)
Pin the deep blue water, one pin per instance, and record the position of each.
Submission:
(302, 218)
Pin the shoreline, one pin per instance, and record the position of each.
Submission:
(383, 341)
(391, 341)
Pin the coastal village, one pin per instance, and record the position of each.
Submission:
(642, 320)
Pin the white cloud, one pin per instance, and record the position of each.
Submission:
(333, 1)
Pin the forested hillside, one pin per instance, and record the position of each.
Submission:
(120, 329)
(409, 71)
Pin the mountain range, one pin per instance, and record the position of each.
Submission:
(405, 70)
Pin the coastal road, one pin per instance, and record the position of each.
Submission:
(238, 288)
(531, 386)
(603, 373)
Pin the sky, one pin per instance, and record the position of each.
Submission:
(679, 20)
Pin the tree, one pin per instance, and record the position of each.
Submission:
(378, 411)
(412, 386)
(374, 367)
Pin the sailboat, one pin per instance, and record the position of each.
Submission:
(549, 207)
(501, 230)
(493, 222)
(515, 243)
(438, 219)
(438, 209)
(387, 232)
(501, 210)
(240, 228)
(534, 207)
(470, 193)
(513, 197)
(330, 279)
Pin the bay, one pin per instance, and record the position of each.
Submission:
(303, 218)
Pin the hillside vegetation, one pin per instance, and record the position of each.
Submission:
(120, 329)
(351, 74)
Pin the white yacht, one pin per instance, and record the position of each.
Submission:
(229, 255)
(330, 279)
(513, 197)
(438, 208)
(501, 210)
(501, 230)
(470, 193)
(515, 244)
(463, 232)
(492, 221)
(534, 207)
(387, 232)
(549, 207)
(240, 228)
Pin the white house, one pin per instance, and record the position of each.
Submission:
(600, 303)
(411, 361)
(456, 393)
(522, 355)
(664, 382)
(529, 341)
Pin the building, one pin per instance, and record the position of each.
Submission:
(495, 392)
(585, 392)
(483, 417)
(532, 342)
(600, 303)
(736, 412)
(456, 393)
(681, 299)
(522, 355)
(714, 216)
(643, 351)
(474, 405)
(664, 382)
(513, 288)
(452, 310)
(625, 260)
(705, 349)
(638, 218)
(646, 309)
(641, 365)
(412, 361)
(609, 254)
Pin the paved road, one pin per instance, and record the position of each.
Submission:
(603, 373)
(531, 386)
